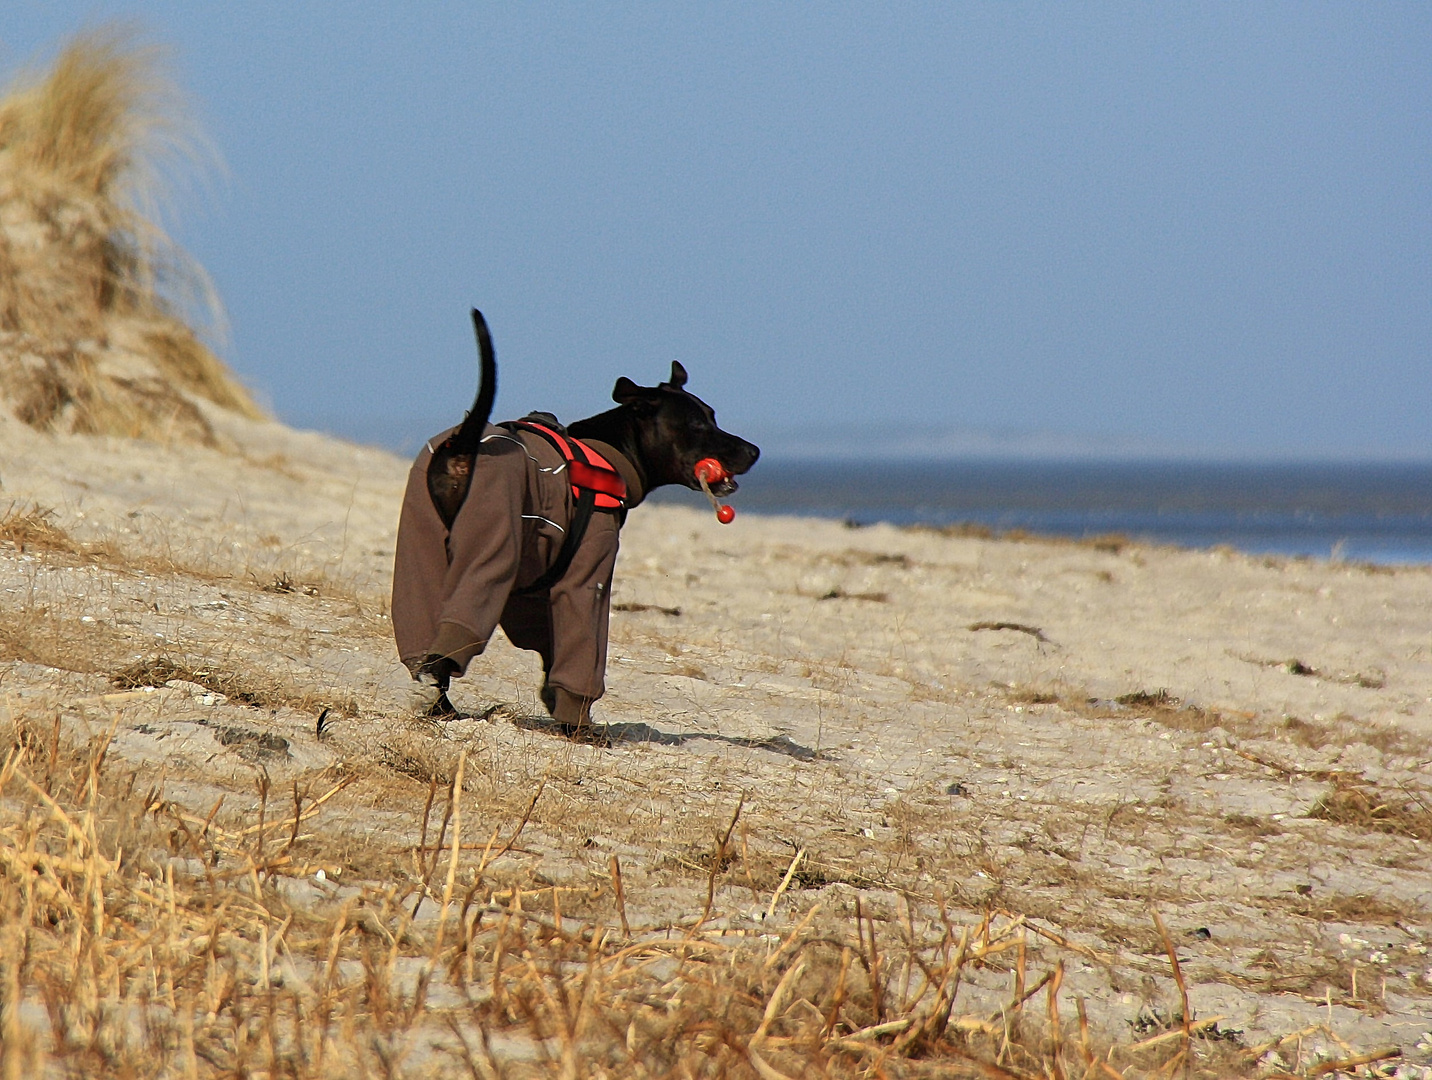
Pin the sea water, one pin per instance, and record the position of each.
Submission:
(1378, 513)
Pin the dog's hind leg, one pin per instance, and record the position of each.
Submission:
(485, 553)
(420, 565)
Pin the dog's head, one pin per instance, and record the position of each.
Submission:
(678, 429)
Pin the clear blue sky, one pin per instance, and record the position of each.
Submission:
(1201, 228)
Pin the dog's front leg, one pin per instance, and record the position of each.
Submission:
(579, 607)
(527, 621)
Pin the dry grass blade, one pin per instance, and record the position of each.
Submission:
(617, 887)
(873, 1032)
(792, 938)
(777, 1002)
(526, 817)
(718, 863)
(1055, 1035)
(1177, 978)
(785, 882)
(1350, 1063)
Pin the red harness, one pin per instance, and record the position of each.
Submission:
(586, 468)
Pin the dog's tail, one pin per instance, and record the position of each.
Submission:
(466, 440)
(450, 470)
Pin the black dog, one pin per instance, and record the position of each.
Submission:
(517, 524)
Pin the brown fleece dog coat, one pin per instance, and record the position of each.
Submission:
(451, 590)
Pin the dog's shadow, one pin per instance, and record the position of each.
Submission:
(615, 734)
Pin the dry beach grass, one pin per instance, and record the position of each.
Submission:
(870, 802)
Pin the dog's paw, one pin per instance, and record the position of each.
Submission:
(430, 702)
(502, 712)
(588, 733)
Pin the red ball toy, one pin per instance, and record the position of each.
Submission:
(709, 470)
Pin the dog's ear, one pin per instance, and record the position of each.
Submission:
(642, 400)
(626, 391)
(678, 376)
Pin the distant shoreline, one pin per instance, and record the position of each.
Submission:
(1379, 513)
(898, 446)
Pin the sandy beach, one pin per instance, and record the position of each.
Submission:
(1055, 737)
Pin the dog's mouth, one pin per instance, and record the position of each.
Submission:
(712, 474)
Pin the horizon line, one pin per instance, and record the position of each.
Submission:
(874, 443)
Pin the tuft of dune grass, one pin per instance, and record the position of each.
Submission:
(98, 306)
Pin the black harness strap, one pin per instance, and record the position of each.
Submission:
(576, 529)
(582, 511)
